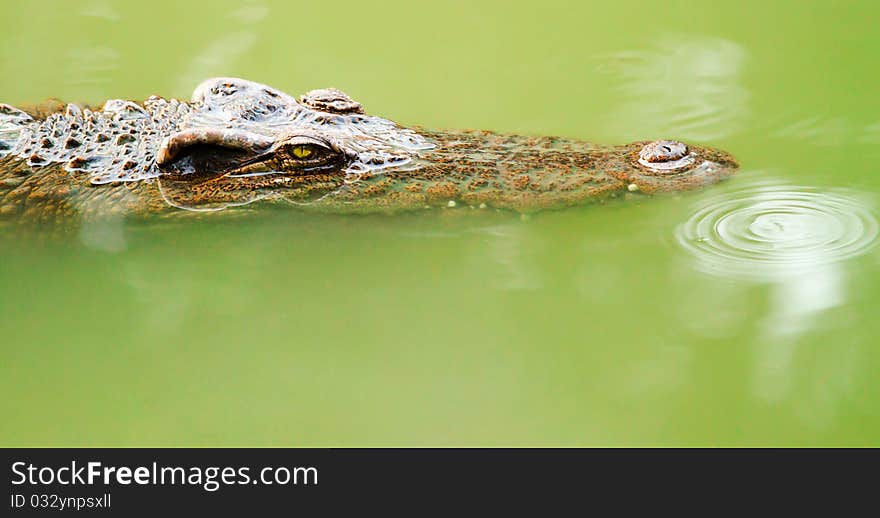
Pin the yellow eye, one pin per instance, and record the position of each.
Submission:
(301, 151)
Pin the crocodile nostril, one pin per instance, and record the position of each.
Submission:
(663, 151)
(665, 155)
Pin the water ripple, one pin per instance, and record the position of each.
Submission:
(771, 232)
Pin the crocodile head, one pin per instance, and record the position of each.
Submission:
(247, 141)
(238, 141)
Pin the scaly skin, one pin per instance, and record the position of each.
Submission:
(239, 142)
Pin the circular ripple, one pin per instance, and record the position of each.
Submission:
(771, 231)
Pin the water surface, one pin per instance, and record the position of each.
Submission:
(742, 315)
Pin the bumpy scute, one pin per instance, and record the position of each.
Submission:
(121, 142)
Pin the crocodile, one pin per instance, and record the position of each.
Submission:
(237, 142)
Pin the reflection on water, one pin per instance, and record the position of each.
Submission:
(687, 86)
(796, 306)
(508, 249)
(102, 9)
(251, 12)
(795, 238)
(772, 232)
(820, 131)
(871, 134)
(220, 54)
(690, 87)
(216, 58)
(90, 66)
(825, 131)
(106, 234)
(507, 245)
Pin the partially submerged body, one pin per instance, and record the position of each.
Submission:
(239, 142)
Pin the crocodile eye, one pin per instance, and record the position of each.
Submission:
(306, 151)
(301, 151)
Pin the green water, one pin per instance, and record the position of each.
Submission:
(743, 315)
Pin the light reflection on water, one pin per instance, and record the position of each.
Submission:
(817, 130)
(687, 86)
(796, 239)
(101, 9)
(91, 65)
(773, 232)
(506, 245)
(691, 86)
(871, 134)
(219, 55)
(827, 131)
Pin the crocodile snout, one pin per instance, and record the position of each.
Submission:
(671, 165)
